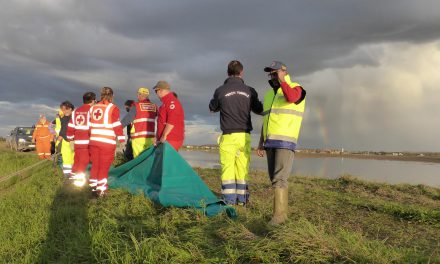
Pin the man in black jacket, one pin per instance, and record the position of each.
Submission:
(235, 100)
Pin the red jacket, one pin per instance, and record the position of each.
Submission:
(105, 126)
(171, 112)
(144, 122)
(78, 127)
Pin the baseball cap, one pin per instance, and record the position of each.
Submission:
(143, 90)
(162, 85)
(274, 66)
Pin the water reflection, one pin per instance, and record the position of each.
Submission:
(372, 170)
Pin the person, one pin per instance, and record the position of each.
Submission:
(53, 133)
(105, 129)
(235, 101)
(55, 130)
(78, 131)
(67, 152)
(42, 137)
(171, 116)
(142, 117)
(57, 122)
(284, 105)
(128, 152)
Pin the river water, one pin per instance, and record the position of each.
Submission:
(387, 171)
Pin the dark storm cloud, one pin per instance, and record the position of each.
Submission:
(51, 50)
(89, 35)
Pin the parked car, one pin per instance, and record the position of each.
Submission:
(20, 139)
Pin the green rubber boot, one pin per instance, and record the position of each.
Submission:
(280, 206)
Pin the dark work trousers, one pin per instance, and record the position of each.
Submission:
(279, 165)
(128, 152)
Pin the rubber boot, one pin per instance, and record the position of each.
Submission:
(280, 206)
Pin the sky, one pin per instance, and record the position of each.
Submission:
(370, 68)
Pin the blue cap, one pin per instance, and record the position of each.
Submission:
(274, 66)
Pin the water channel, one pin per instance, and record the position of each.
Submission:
(388, 171)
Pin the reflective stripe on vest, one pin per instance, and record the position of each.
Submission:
(143, 120)
(82, 142)
(282, 120)
(143, 125)
(143, 133)
(101, 125)
(283, 111)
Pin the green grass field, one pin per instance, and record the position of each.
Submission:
(344, 221)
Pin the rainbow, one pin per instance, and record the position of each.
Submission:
(323, 130)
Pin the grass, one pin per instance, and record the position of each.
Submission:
(13, 161)
(344, 220)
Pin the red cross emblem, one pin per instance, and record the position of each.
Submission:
(80, 120)
(97, 114)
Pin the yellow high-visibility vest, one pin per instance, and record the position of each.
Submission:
(281, 119)
(57, 125)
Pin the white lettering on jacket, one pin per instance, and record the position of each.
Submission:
(239, 93)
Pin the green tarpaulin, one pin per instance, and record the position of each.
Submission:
(165, 177)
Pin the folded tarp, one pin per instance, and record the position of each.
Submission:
(166, 178)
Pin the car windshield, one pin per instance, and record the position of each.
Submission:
(25, 131)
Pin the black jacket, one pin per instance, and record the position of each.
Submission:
(64, 124)
(235, 100)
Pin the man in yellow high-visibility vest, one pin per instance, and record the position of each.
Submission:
(283, 109)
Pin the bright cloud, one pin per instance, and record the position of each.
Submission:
(380, 107)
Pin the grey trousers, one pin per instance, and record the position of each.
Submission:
(279, 165)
